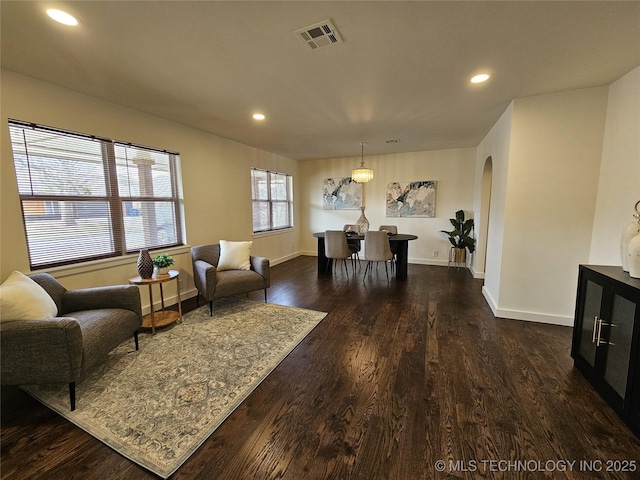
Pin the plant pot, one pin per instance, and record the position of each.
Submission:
(458, 256)
(162, 271)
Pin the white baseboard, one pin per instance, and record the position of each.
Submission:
(475, 273)
(168, 300)
(429, 261)
(419, 261)
(280, 260)
(526, 316)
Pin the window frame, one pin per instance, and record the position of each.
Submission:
(113, 199)
(271, 202)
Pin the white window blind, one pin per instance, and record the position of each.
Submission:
(272, 200)
(85, 198)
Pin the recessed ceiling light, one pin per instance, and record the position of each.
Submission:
(483, 77)
(258, 116)
(62, 17)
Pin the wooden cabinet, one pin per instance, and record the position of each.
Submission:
(606, 337)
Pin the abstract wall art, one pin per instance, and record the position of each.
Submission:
(411, 199)
(341, 194)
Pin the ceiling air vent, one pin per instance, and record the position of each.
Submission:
(319, 35)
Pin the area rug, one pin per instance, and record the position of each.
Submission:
(156, 406)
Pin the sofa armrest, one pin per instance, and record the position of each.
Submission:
(117, 296)
(205, 277)
(40, 351)
(261, 266)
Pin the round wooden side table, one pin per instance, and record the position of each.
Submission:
(163, 317)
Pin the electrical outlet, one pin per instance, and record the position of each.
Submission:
(435, 253)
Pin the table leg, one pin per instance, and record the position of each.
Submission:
(402, 259)
(161, 297)
(179, 301)
(324, 263)
(153, 320)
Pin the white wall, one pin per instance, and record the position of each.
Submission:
(552, 173)
(494, 145)
(452, 169)
(215, 173)
(619, 186)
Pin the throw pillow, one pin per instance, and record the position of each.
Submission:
(23, 299)
(234, 255)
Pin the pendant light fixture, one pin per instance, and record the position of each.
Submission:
(362, 174)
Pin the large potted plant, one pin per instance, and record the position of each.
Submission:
(460, 237)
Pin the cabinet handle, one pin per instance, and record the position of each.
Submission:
(595, 326)
(599, 332)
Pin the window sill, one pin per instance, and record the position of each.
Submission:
(96, 265)
(274, 232)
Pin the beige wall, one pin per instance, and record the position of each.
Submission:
(215, 172)
(619, 185)
(452, 169)
(565, 173)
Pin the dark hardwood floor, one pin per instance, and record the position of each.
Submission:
(397, 377)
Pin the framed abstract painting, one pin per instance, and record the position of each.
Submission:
(341, 194)
(411, 199)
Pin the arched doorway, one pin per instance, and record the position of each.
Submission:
(485, 207)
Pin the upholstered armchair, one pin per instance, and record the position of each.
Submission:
(89, 323)
(215, 280)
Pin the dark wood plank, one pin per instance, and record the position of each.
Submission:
(398, 376)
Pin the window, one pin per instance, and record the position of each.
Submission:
(272, 200)
(85, 198)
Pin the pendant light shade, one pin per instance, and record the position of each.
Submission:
(362, 174)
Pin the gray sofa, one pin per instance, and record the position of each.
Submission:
(213, 284)
(90, 323)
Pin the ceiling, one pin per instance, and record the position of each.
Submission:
(401, 73)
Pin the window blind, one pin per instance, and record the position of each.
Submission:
(272, 200)
(85, 198)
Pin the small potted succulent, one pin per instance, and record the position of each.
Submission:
(162, 263)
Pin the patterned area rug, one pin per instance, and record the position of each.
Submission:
(156, 406)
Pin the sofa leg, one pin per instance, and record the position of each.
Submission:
(198, 299)
(135, 339)
(211, 308)
(72, 395)
(265, 295)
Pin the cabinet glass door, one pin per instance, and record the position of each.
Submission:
(592, 301)
(619, 343)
